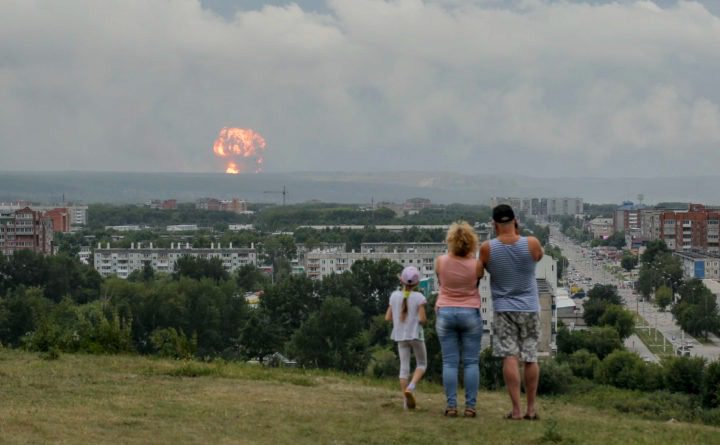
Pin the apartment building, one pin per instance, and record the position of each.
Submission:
(320, 264)
(25, 229)
(162, 204)
(697, 228)
(234, 205)
(433, 248)
(627, 218)
(601, 227)
(124, 261)
(699, 265)
(541, 207)
(76, 214)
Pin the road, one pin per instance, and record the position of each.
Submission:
(583, 266)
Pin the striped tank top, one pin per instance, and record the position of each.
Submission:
(512, 277)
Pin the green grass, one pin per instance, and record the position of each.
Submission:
(652, 338)
(80, 399)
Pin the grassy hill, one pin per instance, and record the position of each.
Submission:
(137, 400)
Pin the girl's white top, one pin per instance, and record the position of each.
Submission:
(410, 329)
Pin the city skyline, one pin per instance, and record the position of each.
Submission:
(537, 88)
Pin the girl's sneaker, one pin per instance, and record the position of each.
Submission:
(409, 399)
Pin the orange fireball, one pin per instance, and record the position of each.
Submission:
(242, 148)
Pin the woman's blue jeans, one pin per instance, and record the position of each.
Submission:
(460, 331)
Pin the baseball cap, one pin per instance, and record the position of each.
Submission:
(503, 213)
(410, 276)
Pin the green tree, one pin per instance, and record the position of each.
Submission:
(291, 302)
(710, 387)
(622, 369)
(619, 318)
(697, 309)
(628, 261)
(684, 374)
(653, 250)
(583, 364)
(198, 268)
(375, 281)
(663, 297)
(332, 338)
(259, 336)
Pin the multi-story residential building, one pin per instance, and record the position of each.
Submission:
(601, 227)
(182, 228)
(542, 207)
(650, 223)
(564, 206)
(627, 218)
(61, 219)
(234, 205)
(124, 261)
(76, 214)
(167, 204)
(699, 265)
(433, 248)
(697, 228)
(320, 264)
(414, 205)
(25, 229)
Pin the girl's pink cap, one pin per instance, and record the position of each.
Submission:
(410, 276)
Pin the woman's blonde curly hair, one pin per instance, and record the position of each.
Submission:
(461, 239)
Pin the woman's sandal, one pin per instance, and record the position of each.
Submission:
(509, 416)
(451, 412)
(470, 412)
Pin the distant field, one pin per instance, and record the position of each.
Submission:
(131, 400)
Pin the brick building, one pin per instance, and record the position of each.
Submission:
(25, 229)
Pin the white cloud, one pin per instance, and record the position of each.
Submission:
(146, 85)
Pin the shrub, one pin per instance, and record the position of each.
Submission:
(622, 369)
(491, 370)
(555, 377)
(583, 364)
(684, 374)
(167, 342)
(383, 363)
(711, 385)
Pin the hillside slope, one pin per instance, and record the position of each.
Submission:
(135, 400)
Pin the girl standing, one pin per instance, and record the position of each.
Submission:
(407, 312)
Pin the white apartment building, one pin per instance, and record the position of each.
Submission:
(182, 228)
(435, 248)
(320, 264)
(123, 261)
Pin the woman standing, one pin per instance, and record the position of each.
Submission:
(459, 324)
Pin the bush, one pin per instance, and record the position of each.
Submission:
(383, 363)
(555, 377)
(167, 342)
(622, 369)
(583, 364)
(491, 370)
(711, 385)
(684, 374)
(600, 341)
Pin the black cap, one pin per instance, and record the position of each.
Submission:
(503, 213)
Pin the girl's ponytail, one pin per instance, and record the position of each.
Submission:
(404, 311)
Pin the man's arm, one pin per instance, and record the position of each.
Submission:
(388, 314)
(485, 254)
(536, 249)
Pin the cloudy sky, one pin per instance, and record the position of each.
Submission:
(534, 87)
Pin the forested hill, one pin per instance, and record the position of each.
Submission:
(343, 187)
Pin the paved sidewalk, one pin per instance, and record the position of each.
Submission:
(634, 344)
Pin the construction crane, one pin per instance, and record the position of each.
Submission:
(283, 192)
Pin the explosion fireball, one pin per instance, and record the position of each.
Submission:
(242, 148)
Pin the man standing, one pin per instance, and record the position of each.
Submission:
(510, 259)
